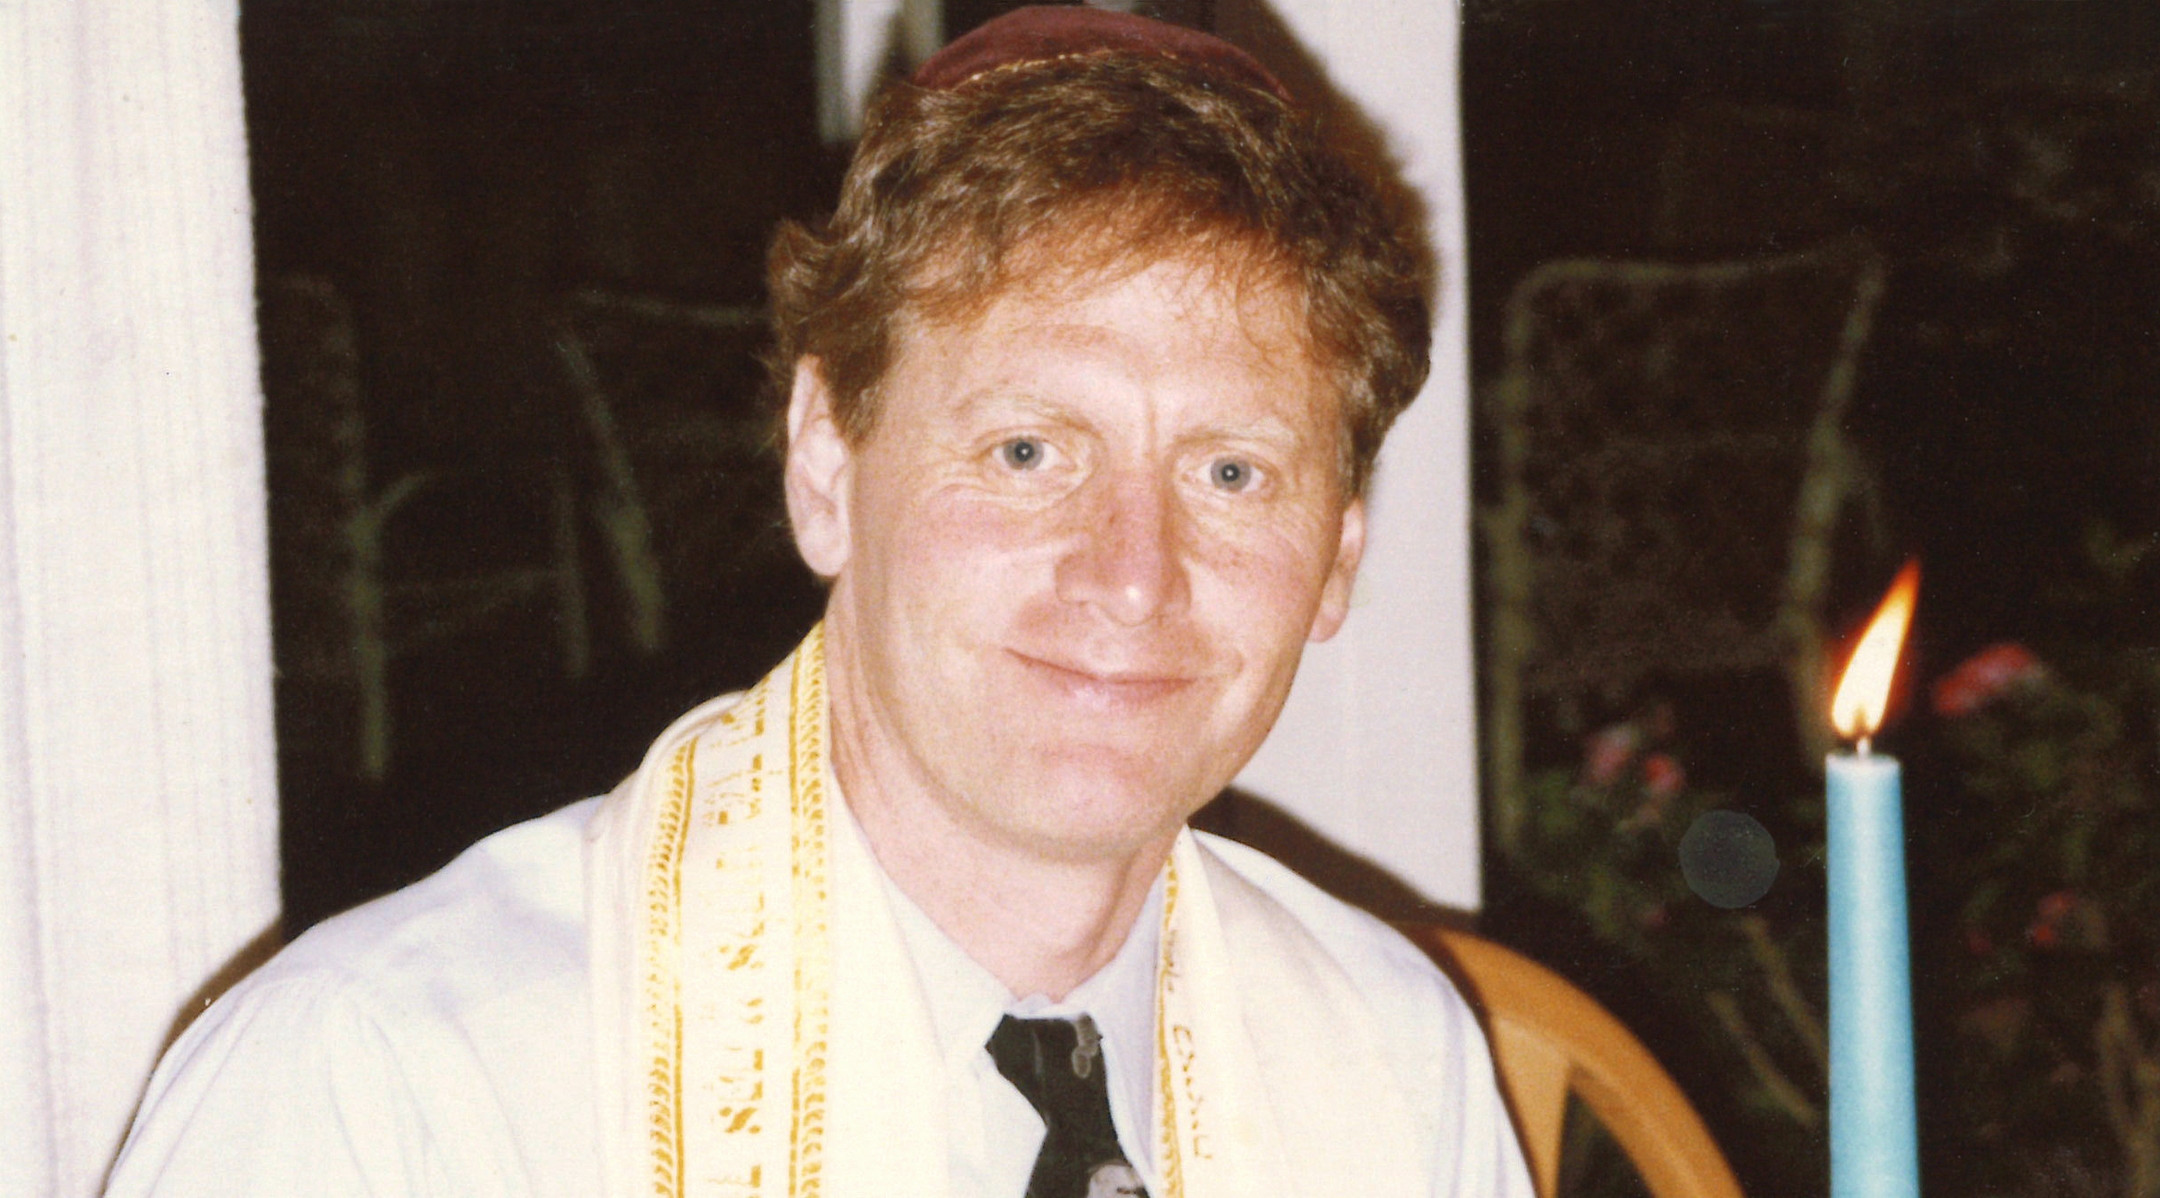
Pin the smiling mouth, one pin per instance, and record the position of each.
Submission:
(1109, 690)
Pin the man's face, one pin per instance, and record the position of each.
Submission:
(1076, 560)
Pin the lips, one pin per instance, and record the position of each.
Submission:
(1106, 690)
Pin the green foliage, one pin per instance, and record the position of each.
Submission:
(2056, 861)
(1738, 993)
(2035, 825)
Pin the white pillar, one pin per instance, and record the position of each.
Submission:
(856, 40)
(1377, 749)
(138, 812)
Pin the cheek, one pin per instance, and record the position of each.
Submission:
(1267, 576)
(951, 557)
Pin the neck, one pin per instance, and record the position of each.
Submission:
(1040, 921)
(1038, 928)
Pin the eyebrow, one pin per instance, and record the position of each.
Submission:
(1266, 430)
(999, 399)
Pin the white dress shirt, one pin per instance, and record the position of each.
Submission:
(993, 1152)
(439, 1041)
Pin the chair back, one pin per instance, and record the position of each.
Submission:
(1670, 470)
(1551, 1040)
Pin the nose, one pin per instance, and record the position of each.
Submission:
(1126, 555)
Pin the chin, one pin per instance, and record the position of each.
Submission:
(1098, 800)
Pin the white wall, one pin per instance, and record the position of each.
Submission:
(855, 41)
(138, 815)
(1377, 749)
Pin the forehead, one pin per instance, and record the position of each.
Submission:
(1196, 300)
(1203, 295)
(1200, 342)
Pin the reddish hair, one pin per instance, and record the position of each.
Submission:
(1101, 160)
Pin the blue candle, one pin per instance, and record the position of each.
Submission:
(1874, 1135)
(1873, 1129)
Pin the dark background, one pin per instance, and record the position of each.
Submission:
(462, 178)
(2004, 158)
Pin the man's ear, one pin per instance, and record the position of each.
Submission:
(1342, 575)
(819, 466)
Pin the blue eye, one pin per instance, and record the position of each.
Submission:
(1230, 474)
(1021, 453)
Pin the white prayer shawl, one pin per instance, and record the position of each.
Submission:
(761, 1031)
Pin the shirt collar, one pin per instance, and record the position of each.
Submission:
(1121, 999)
(966, 1001)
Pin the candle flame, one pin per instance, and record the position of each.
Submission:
(1864, 692)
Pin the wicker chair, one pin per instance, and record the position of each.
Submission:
(1670, 474)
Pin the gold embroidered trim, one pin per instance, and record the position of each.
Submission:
(1166, 980)
(662, 981)
(711, 890)
(813, 925)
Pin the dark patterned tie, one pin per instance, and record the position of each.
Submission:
(1057, 1065)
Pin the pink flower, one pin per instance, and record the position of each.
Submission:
(1662, 776)
(1986, 676)
(1608, 752)
(2046, 929)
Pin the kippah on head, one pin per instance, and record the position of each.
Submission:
(1042, 32)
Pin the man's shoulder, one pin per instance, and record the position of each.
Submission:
(1412, 1015)
(497, 935)
(1431, 1032)
(506, 915)
(1402, 984)
(433, 1040)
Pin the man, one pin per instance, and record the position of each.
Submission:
(1085, 378)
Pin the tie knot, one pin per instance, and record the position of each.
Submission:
(1056, 1064)
(1036, 1055)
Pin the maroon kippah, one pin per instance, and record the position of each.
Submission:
(1033, 34)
